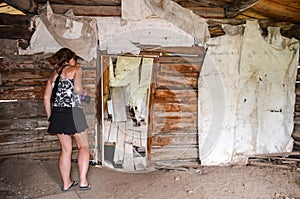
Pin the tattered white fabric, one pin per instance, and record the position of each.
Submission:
(267, 73)
(135, 10)
(76, 33)
(183, 18)
(41, 41)
(117, 36)
(246, 96)
(134, 75)
(218, 90)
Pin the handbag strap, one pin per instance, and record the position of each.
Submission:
(54, 90)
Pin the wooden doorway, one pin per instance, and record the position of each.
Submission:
(125, 96)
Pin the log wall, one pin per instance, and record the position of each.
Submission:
(23, 122)
(296, 132)
(173, 139)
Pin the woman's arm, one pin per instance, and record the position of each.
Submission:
(47, 98)
(78, 81)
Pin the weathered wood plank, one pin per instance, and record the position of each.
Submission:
(20, 136)
(177, 82)
(128, 163)
(193, 50)
(15, 20)
(23, 123)
(197, 59)
(296, 136)
(174, 139)
(22, 93)
(89, 77)
(43, 155)
(84, 3)
(193, 3)
(180, 68)
(32, 109)
(174, 153)
(238, 7)
(25, 62)
(106, 130)
(87, 10)
(119, 107)
(176, 96)
(22, 109)
(15, 33)
(27, 147)
(146, 139)
(119, 150)
(208, 12)
(169, 127)
(24, 78)
(113, 133)
(174, 107)
(170, 118)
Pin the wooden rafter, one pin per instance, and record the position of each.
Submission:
(26, 6)
(14, 20)
(81, 2)
(87, 10)
(238, 7)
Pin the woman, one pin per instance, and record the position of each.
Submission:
(66, 118)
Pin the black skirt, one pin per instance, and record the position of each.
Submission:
(67, 121)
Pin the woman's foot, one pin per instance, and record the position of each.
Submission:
(74, 183)
(87, 187)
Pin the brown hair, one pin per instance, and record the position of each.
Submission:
(64, 55)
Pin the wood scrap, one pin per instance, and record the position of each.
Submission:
(290, 160)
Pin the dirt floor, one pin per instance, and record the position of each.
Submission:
(25, 178)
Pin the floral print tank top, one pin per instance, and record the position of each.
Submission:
(66, 95)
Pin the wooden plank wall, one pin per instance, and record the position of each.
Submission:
(23, 122)
(174, 135)
(296, 132)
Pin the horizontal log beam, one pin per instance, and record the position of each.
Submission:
(238, 7)
(26, 6)
(288, 29)
(15, 33)
(174, 153)
(15, 20)
(208, 12)
(80, 2)
(200, 3)
(112, 11)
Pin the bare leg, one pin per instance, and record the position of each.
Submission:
(65, 159)
(83, 156)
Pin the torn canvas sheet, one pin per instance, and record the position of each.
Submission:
(134, 75)
(135, 10)
(41, 41)
(181, 17)
(268, 73)
(117, 36)
(247, 96)
(76, 33)
(218, 89)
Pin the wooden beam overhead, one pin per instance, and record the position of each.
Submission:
(26, 6)
(82, 2)
(15, 20)
(208, 12)
(203, 3)
(87, 10)
(15, 33)
(238, 7)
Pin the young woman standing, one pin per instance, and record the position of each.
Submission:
(66, 117)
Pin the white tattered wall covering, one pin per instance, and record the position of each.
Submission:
(246, 86)
(247, 95)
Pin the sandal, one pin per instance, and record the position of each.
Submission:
(74, 183)
(88, 187)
